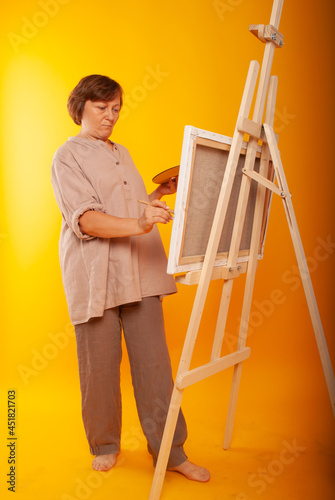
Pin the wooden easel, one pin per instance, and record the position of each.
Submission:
(257, 132)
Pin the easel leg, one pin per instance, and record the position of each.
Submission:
(302, 263)
(252, 266)
(249, 286)
(240, 213)
(166, 443)
(232, 406)
(222, 319)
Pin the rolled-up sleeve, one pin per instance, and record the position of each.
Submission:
(74, 193)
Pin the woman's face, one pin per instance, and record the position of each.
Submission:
(99, 118)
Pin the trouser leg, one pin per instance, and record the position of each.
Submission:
(143, 327)
(99, 358)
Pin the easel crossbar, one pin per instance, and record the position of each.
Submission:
(262, 180)
(197, 374)
(218, 273)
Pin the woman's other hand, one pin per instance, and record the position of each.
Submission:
(169, 187)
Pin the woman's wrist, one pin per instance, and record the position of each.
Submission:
(156, 194)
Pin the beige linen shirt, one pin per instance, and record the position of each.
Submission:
(100, 273)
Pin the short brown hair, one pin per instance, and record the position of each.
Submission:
(92, 88)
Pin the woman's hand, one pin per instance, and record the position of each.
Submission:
(156, 212)
(169, 187)
(102, 225)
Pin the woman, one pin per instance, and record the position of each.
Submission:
(114, 274)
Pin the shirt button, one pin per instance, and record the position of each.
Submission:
(115, 148)
(125, 182)
(118, 163)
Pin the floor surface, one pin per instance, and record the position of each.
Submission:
(282, 446)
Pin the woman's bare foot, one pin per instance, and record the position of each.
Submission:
(104, 462)
(192, 471)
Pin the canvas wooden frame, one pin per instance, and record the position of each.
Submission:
(202, 166)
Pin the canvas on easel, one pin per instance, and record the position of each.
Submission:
(202, 167)
(213, 264)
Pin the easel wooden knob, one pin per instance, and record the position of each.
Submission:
(267, 33)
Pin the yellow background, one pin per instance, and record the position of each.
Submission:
(179, 62)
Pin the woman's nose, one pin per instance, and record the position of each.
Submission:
(109, 114)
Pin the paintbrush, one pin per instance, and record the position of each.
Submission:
(146, 203)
